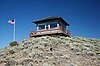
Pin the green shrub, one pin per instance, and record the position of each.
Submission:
(14, 43)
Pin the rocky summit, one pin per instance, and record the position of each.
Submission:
(52, 51)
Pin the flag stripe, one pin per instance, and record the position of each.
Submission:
(11, 21)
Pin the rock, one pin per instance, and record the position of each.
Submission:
(86, 48)
(26, 62)
(25, 46)
(10, 62)
(25, 52)
(93, 57)
(75, 49)
(2, 54)
(87, 45)
(50, 54)
(78, 53)
(98, 56)
(69, 65)
(30, 64)
(31, 55)
(90, 53)
(11, 51)
(16, 49)
(45, 64)
(3, 61)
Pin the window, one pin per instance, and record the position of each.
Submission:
(41, 27)
(53, 25)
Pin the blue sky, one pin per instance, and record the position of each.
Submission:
(82, 15)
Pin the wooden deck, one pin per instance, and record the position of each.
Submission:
(50, 32)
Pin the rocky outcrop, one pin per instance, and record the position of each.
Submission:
(52, 51)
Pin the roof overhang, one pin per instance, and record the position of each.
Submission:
(50, 19)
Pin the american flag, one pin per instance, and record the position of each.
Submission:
(11, 21)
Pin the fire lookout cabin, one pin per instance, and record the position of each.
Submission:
(51, 26)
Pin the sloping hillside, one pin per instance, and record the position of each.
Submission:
(52, 51)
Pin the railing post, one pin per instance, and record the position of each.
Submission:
(68, 33)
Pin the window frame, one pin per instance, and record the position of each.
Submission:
(42, 28)
(53, 25)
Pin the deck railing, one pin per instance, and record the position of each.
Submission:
(68, 32)
(52, 31)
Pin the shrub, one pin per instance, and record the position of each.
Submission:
(14, 43)
(11, 52)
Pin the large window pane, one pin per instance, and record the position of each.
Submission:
(41, 27)
(53, 25)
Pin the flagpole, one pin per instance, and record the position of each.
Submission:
(14, 30)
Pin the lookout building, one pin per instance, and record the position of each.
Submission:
(51, 26)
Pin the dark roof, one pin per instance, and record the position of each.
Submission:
(51, 18)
